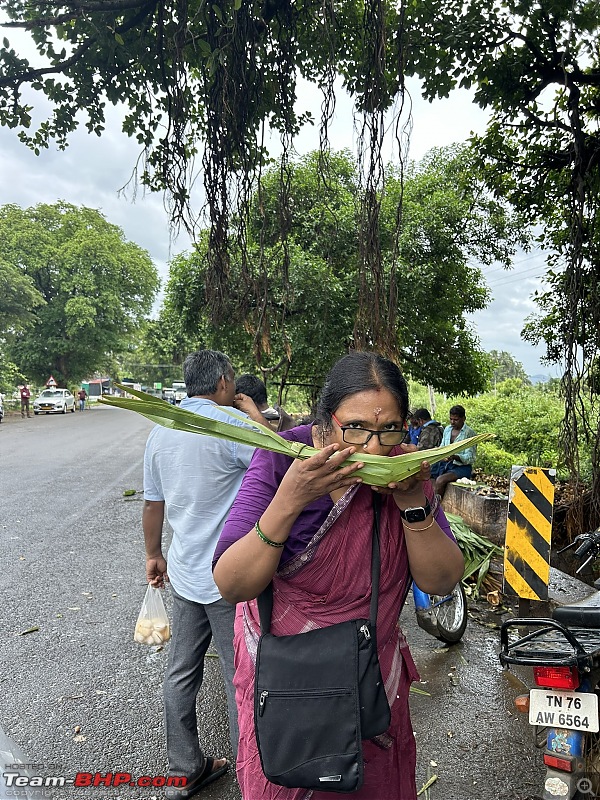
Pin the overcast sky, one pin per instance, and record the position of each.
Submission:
(91, 171)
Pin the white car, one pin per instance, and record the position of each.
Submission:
(60, 400)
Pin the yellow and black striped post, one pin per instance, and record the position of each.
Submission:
(528, 532)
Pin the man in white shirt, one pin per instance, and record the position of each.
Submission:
(194, 480)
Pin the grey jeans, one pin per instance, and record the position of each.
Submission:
(194, 625)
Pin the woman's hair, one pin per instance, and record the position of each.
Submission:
(359, 372)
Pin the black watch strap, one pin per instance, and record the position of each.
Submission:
(417, 514)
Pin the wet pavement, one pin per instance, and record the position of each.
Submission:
(468, 733)
(77, 694)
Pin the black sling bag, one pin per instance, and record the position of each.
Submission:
(317, 694)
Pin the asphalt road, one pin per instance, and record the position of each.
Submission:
(77, 694)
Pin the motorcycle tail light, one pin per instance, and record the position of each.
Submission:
(556, 677)
(564, 764)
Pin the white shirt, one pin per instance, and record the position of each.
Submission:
(198, 478)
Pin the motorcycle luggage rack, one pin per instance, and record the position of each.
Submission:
(551, 644)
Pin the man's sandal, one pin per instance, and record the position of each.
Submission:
(204, 778)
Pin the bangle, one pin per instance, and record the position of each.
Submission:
(418, 530)
(266, 539)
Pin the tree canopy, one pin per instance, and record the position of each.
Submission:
(91, 287)
(302, 327)
(201, 82)
(506, 367)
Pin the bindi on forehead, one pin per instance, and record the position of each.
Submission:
(377, 411)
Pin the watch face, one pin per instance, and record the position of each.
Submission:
(415, 514)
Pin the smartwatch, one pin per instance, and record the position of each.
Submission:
(417, 514)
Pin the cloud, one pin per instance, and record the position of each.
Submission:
(500, 324)
(92, 170)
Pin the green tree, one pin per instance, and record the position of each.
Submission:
(506, 366)
(304, 326)
(303, 342)
(96, 288)
(536, 68)
(18, 300)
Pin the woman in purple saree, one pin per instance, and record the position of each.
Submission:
(308, 527)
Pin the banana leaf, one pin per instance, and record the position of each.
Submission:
(377, 470)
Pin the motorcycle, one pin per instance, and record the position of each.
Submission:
(444, 617)
(564, 652)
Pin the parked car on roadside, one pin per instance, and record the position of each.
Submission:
(54, 400)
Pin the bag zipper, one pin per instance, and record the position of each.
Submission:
(262, 699)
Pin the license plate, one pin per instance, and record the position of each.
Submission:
(576, 711)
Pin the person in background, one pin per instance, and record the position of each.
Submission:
(82, 396)
(413, 430)
(255, 389)
(194, 481)
(308, 527)
(459, 465)
(25, 395)
(430, 436)
(431, 431)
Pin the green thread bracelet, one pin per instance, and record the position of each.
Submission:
(266, 539)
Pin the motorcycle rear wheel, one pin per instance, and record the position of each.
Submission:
(591, 757)
(451, 616)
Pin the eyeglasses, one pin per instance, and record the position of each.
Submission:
(364, 435)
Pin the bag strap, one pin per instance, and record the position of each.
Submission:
(265, 598)
(375, 560)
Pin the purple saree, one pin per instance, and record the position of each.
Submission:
(331, 582)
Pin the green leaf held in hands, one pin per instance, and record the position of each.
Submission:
(377, 470)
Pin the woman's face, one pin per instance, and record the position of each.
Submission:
(373, 410)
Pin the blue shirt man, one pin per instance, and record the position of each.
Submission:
(460, 465)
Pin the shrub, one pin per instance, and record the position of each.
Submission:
(493, 460)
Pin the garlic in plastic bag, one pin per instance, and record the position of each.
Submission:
(152, 626)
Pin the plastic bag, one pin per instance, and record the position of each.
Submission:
(152, 626)
(13, 759)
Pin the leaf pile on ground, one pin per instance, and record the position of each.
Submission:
(479, 577)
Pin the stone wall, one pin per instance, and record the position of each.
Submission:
(485, 515)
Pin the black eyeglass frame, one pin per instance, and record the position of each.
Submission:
(371, 433)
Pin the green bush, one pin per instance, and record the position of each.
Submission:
(526, 421)
(493, 460)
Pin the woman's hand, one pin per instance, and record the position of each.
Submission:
(409, 492)
(321, 474)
